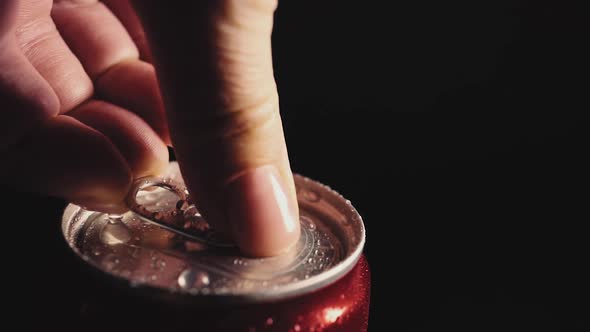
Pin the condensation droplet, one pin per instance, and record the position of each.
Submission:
(113, 234)
(297, 328)
(354, 219)
(110, 262)
(158, 263)
(190, 278)
(186, 279)
(310, 195)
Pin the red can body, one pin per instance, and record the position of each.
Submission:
(342, 306)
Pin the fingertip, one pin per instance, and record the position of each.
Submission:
(262, 215)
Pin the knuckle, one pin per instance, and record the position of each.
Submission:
(240, 124)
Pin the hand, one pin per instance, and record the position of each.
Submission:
(82, 115)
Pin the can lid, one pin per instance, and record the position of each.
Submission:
(164, 244)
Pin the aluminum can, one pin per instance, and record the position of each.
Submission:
(160, 267)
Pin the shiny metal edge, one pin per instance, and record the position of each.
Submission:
(298, 288)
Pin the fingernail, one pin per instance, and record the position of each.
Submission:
(263, 219)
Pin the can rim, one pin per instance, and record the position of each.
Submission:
(294, 289)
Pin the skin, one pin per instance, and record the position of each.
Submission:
(84, 112)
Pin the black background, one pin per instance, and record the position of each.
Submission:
(455, 128)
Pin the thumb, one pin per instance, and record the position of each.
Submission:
(214, 63)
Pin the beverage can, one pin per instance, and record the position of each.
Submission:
(163, 252)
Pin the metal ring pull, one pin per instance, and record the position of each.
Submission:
(182, 218)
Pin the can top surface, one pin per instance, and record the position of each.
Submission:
(131, 248)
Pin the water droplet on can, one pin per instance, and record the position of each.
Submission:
(310, 195)
(190, 278)
(113, 234)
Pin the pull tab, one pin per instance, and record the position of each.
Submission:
(181, 217)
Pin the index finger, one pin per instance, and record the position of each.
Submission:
(214, 62)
